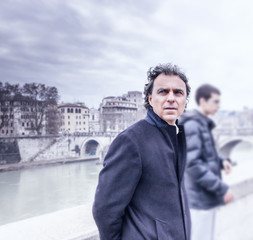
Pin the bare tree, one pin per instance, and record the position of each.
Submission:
(8, 95)
(39, 98)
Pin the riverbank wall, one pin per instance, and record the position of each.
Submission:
(52, 148)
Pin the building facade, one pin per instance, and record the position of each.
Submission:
(137, 97)
(7, 118)
(94, 120)
(116, 114)
(22, 116)
(74, 118)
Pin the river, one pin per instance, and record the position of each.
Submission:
(31, 192)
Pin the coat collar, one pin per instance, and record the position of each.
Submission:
(205, 120)
(153, 119)
(169, 133)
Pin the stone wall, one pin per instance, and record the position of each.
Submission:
(45, 148)
(9, 151)
(30, 147)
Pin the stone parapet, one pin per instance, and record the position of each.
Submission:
(234, 221)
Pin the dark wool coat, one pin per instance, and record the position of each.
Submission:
(141, 194)
(203, 172)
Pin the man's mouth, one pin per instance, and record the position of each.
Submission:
(170, 108)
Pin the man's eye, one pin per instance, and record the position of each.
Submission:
(162, 91)
(179, 92)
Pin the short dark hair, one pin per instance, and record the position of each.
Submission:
(167, 69)
(205, 91)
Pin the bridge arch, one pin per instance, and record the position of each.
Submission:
(226, 147)
(92, 147)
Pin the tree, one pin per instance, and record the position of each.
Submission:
(8, 94)
(39, 98)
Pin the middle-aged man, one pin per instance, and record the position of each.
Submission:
(141, 193)
(203, 181)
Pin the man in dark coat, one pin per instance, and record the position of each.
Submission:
(141, 193)
(204, 185)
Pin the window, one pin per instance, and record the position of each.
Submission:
(93, 117)
(63, 110)
(23, 124)
(27, 124)
(68, 117)
(83, 123)
(68, 123)
(71, 110)
(2, 131)
(68, 110)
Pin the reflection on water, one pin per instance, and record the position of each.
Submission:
(31, 192)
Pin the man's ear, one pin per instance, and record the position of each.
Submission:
(150, 99)
(202, 101)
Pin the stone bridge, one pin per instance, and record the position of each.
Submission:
(95, 145)
(39, 148)
(228, 139)
(92, 145)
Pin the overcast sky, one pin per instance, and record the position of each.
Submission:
(90, 49)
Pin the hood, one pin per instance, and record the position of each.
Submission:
(197, 116)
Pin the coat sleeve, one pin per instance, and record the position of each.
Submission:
(196, 166)
(116, 185)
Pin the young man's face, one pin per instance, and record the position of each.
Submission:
(210, 106)
(168, 97)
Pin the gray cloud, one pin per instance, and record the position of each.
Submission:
(92, 49)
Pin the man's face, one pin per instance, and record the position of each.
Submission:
(210, 106)
(168, 97)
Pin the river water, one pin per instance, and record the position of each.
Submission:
(31, 192)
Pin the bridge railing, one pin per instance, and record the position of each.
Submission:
(234, 131)
(90, 134)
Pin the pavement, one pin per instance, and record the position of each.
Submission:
(68, 224)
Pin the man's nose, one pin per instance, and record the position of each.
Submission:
(170, 97)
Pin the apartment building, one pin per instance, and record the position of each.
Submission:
(74, 117)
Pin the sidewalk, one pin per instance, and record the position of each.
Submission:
(69, 224)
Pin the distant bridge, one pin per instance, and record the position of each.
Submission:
(69, 146)
(82, 145)
(95, 145)
(227, 139)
